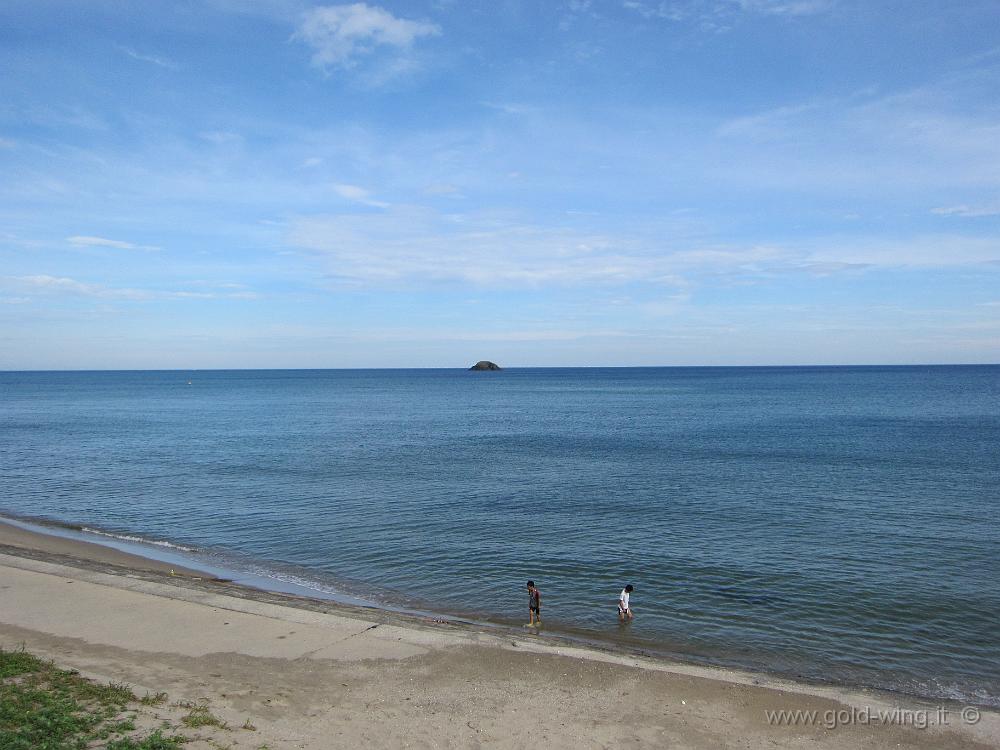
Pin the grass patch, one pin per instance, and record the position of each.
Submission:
(153, 700)
(200, 716)
(155, 741)
(43, 707)
(13, 663)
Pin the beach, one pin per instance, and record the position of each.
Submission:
(304, 673)
(737, 494)
(331, 329)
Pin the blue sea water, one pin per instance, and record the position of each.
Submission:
(839, 523)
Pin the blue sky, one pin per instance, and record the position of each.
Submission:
(628, 182)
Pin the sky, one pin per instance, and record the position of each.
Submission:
(280, 183)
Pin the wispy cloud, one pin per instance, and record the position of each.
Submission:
(220, 137)
(772, 123)
(969, 211)
(418, 246)
(924, 251)
(910, 139)
(162, 62)
(339, 34)
(786, 7)
(90, 241)
(64, 285)
(407, 245)
(511, 108)
(442, 189)
(721, 15)
(358, 195)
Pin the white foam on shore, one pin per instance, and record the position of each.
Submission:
(136, 539)
(298, 582)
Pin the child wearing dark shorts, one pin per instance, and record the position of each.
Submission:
(534, 606)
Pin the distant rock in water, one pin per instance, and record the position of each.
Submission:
(484, 365)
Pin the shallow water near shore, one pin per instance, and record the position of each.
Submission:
(835, 523)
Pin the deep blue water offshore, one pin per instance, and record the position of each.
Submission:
(837, 523)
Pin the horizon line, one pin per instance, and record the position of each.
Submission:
(502, 368)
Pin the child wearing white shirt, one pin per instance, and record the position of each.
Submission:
(623, 607)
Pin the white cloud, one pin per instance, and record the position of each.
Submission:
(905, 141)
(406, 244)
(351, 192)
(410, 245)
(64, 285)
(515, 335)
(160, 61)
(668, 11)
(786, 7)
(358, 195)
(339, 34)
(44, 282)
(983, 209)
(720, 15)
(918, 251)
(87, 241)
(220, 137)
(511, 108)
(771, 124)
(442, 188)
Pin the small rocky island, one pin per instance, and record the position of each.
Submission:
(485, 365)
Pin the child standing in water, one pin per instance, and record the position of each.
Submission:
(534, 606)
(624, 610)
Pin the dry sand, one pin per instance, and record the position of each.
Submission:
(312, 674)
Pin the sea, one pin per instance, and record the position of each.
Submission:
(831, 524)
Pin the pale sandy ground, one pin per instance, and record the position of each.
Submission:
(311, 674)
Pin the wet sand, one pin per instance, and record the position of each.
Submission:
(314, 674)
(14, 536)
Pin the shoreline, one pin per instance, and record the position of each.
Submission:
(199, 658)
(14, 534)
(113, 551)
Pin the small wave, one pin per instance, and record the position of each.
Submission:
(138, 539)
(961, 694)
(295, 580)
(292, 579)
(335, 592)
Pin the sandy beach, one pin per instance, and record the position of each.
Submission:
(287, 672)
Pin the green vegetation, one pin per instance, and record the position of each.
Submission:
(155, 741)
(201, 717)
(43, 707)
(46, 708)
(13, 663)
